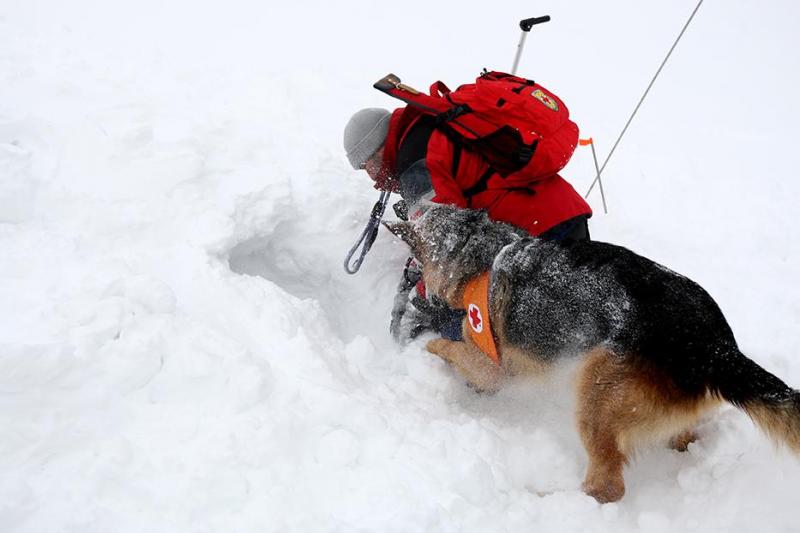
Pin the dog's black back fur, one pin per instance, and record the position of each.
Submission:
(573, 297)
(569, 298)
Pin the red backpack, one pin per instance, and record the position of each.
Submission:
(520, 128)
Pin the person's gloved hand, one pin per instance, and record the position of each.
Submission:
(435, 315)
(398, 327)
(412, 315)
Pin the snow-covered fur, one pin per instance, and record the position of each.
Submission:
(655, 351)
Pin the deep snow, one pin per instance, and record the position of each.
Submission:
(180, 349)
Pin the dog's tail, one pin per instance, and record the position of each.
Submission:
(773, 405)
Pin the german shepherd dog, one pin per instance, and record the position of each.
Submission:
(654, 352)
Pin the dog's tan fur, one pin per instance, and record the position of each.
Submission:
(622, 407)
(780, 424)
(619, 407)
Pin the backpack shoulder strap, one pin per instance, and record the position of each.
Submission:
(479, 186)
(502, 146)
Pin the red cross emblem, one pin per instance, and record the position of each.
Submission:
(546, 100)
(475, 318)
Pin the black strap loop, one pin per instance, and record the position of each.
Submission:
(525, 152)
(479, 186)
(457, 147)
(452, 114)
(528, 83)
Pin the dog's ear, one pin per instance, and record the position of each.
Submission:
(406, 231)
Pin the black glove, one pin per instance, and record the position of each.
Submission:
(431, 315)
(412, 315)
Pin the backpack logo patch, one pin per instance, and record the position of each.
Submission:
(546, 100)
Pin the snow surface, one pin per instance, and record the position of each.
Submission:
(180, 349)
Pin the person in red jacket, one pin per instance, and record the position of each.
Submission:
(404, 152)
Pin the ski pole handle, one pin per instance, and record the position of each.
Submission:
(527, 24)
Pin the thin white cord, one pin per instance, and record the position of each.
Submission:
(599, 172)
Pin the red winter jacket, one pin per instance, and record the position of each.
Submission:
(546, 203)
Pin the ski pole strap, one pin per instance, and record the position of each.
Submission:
(368, 236)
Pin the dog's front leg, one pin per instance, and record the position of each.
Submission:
(475, 366)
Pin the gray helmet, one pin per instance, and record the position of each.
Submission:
(364, 134)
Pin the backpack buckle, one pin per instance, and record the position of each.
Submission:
(526, 151)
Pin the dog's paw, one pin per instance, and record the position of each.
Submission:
(605, 491)
(439, 347)
(681, 441)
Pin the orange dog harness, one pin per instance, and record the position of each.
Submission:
(476, 302)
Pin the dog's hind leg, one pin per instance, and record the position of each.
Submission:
(475, 366)
(623, 403)
(600, 382)
(604, 481)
